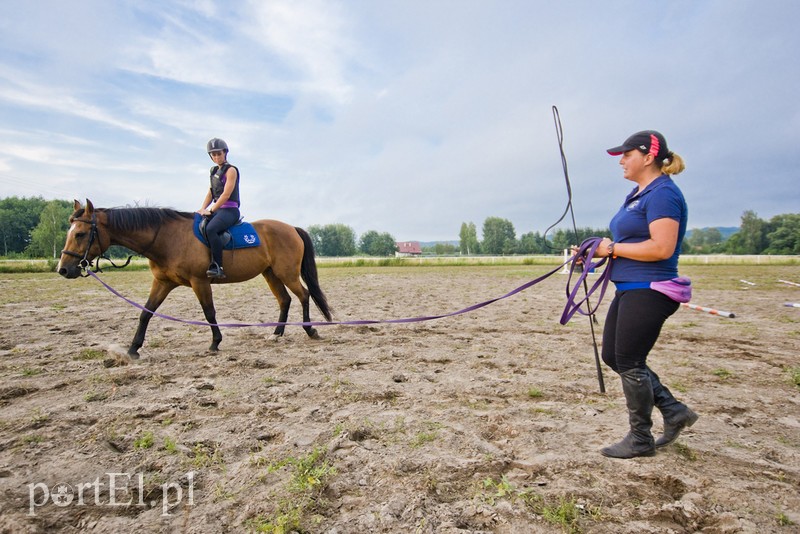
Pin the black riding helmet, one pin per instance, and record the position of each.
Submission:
(216, 144)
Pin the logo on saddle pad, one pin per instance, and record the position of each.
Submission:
(241, 235)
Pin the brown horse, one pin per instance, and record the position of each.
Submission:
(178, 258)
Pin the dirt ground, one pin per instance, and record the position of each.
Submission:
(490, 421)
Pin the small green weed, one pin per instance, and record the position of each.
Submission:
(565, 514)
(783, 520)
(535, 393)
(724, 374)
(170, 445)
(145, 441)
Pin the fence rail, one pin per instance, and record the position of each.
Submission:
(43, 265)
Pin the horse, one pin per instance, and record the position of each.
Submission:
(177, 258)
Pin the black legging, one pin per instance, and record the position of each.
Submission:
(632, 327)
(221, 220)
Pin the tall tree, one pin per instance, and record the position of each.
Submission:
(753, 233)
(333, 239)
(705, 241)
(498, 236)
(468, 239)
(531, 243)
(373, 243)
(18, 217)
(50, 234)
(784, 234)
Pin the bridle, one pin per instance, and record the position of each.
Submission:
(85, 262)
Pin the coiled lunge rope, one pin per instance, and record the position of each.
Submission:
(583, 257)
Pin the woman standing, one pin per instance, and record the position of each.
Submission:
(647, 232)
(221, 203)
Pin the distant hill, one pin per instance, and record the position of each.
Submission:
(726, 231)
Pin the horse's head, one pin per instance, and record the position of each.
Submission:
(83, 242)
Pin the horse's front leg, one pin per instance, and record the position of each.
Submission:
(158, 292)
(202, 289)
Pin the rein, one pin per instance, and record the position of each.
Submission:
(582, 258)
(86, 264)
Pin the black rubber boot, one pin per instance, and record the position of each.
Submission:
(677, 415)
(215, 271)
(639, 399)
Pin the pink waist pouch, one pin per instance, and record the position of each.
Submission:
(678, 289)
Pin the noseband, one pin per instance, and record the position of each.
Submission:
(85, 262)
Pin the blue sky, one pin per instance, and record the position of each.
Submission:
(408, 117)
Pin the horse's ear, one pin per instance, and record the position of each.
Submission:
(89, 208)
(76, 206)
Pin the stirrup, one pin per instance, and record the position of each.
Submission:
(215, 271)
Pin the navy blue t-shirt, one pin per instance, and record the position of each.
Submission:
(662, 198)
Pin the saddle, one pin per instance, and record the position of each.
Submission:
(240, 235)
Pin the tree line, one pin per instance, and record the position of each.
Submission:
(31, 227)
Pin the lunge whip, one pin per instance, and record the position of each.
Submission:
(568, 209)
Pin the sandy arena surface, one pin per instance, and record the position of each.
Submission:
(490, 421)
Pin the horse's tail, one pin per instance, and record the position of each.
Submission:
(308, 270)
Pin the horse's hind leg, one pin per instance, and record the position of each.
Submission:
(284, 301)
(158, 292)
(302, 293)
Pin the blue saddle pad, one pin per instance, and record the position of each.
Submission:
(243, 234)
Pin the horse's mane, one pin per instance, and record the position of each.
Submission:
(140, 218)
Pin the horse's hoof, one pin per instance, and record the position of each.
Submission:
(274, 338)
(118, 350)
(313, 334)
(214, 347)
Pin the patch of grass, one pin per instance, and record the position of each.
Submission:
(95, 396)
(295, 511)
(722, 373)
(32, 439)
(31, 371)
(170, 445)
(535, 393)
(565, 514)
(794, 375)
(678, 386)
(498, 489)
(90, 354)
(426, 436)
(203, 457)
(145, 441)
(686, 452)
(39, 417)
(783, 520)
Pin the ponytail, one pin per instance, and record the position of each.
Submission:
(672, 164)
